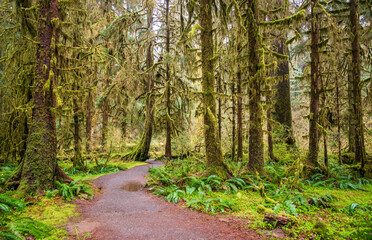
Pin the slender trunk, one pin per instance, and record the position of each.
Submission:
(40, 163)
(88, 120)
(338, 121)
(239, 101)
(215, 163)
(312, 160)
(168, 144)
(105, 104)
(219, 90)
(256, 146)
(360, 154)
(239, 117)
(233, 121)
(351, 113)
(325, 150)
(77, 159)
(270, 147)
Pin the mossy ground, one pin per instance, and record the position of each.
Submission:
(343, 211)
(339, 224)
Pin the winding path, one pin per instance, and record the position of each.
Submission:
(126, 211)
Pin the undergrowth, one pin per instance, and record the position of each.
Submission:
(333, 205)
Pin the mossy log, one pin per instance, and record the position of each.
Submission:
(278, 220)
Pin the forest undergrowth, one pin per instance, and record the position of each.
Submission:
(43, 216)
(332, 205)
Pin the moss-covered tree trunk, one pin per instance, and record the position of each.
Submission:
(142, 150)
(256, 77)
(40, 163)
(215, 161)
(360, 154)
(239, 113)
(219, 114)
(168, 143)
(77, 158)
(270, 144)
(312, 160)
(107, 82)
(233, 122)
(88, 120)
(351, 113)
(282, 106)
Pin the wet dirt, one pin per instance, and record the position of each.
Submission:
(125, 210)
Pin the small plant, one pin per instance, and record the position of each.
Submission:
(288, 207)
(212, 205)
(69, 191)
(352, 208)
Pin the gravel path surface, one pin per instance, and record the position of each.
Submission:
(126, 211)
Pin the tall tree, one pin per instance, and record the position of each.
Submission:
(39, 169)
(360, 154)
(312, 160)
(168, 142)
(142, 150)
(282, 105)
(256, 79)
(215, 162)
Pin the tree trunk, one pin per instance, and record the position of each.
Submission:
(256, 145)
(233, 121)
(142, 150)
(351, 113)
(215, 162)
(312, 160)
(270, 147)
(239, 102)
(360, 154)
(168, 144)
(40, 163)
(77, 159)
(338, 121)
(282, 106)
(88, 120)
(219, 91)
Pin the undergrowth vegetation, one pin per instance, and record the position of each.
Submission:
(333, 205)
(43, 216)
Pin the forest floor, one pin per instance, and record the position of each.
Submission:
(125, 210)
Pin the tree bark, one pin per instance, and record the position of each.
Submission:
(270, 145)
(233, 114)
(215, 162)
(360, 154)
(88, 121)
(351, 113)
(40, 163)
(283, 107)
(312, 160)
(338, 121)
(77, 159)
(168, 144)
(239, 118)
(256, 146)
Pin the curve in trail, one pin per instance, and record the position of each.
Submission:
(126, 211)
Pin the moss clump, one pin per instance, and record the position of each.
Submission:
(320, 229)
(261, 209)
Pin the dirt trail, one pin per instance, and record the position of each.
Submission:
(126, 211)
